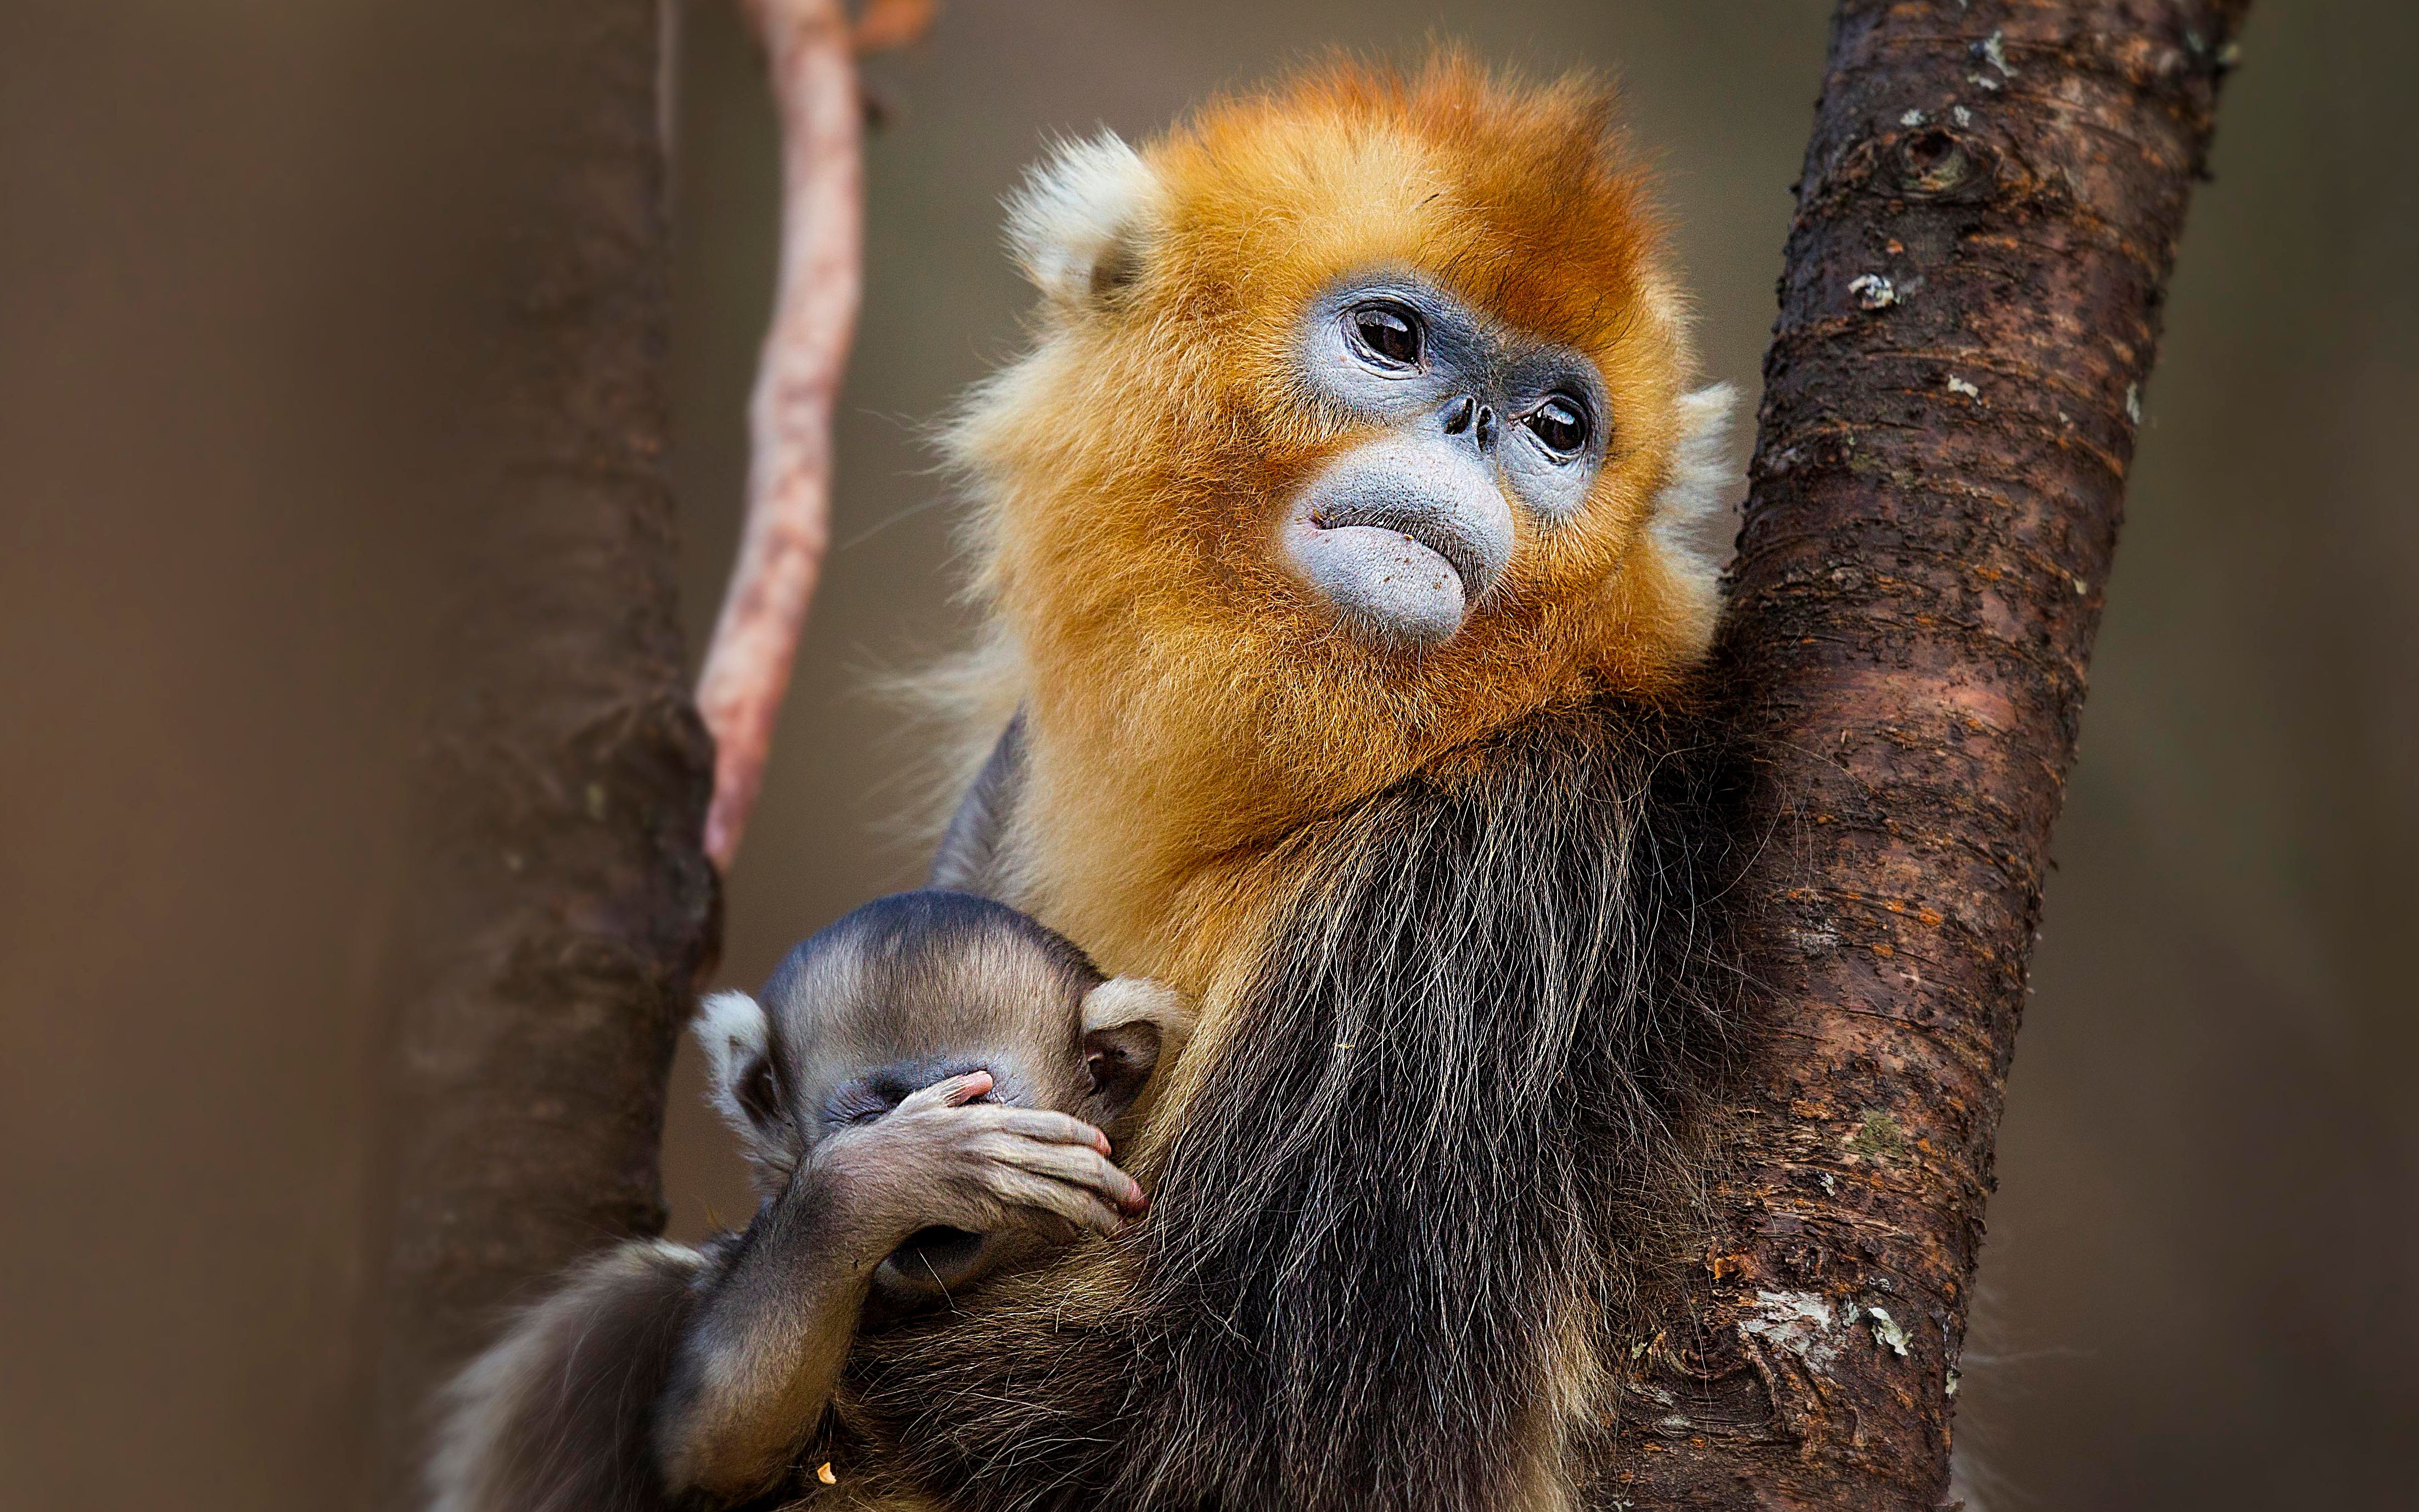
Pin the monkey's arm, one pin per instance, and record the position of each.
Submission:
(556, 1413)
(971, 853)
(754, 1370)
(757, 1364)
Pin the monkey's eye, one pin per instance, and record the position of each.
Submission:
(860, 1110)
(1388, 334)
(865, 1101)
(1560, 424)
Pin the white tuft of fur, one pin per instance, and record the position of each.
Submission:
(1122, 1000)
(1692, 513)
(731, 1030)
(1073, 209)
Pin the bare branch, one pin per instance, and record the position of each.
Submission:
(810, 48)
(887, 24)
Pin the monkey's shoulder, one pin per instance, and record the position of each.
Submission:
(1612, 765)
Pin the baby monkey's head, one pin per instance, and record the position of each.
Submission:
(916, 988)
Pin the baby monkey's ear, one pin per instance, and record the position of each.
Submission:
(1133, 1026)
(737, 1039)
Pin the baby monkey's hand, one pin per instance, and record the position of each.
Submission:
(942, 1158)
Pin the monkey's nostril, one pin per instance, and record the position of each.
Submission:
(1457, 415)
(1486, 427)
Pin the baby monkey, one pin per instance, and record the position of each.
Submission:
(925, 1095)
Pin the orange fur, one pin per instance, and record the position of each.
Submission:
(1188, 704)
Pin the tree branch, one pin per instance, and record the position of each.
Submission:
(1988, 215)
(810, 51)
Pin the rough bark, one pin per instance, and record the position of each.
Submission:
(1969, 308)
(559, 904)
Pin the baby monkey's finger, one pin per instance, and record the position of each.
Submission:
(1078, 1167)
(949, 1093)
(1052, 1128)
(1042, 1196)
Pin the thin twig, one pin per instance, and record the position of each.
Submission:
(810, 51)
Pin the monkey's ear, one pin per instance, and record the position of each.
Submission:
(1133, 1026)
(738, 1038)
(1690, 513)
(1079, 224)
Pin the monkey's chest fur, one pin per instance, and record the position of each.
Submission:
(1388, 1241)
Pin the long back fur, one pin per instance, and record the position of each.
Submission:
(1394, 1226)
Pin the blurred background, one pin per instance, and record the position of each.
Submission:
(233, 314)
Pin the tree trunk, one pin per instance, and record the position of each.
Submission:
(1969, 308)
(559, 906)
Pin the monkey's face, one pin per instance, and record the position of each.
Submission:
(1362, 396)
(912, 990)
(1476, 431)
(907, 991)
(855, 1043)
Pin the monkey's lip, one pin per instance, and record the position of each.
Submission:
(1425, 534)
(1402, 548)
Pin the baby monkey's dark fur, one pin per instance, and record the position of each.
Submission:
(921, 1096)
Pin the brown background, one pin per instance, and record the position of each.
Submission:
(236, 292)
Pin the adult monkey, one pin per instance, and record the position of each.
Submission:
(1339, 538)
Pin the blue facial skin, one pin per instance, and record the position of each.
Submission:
(1405, 533)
